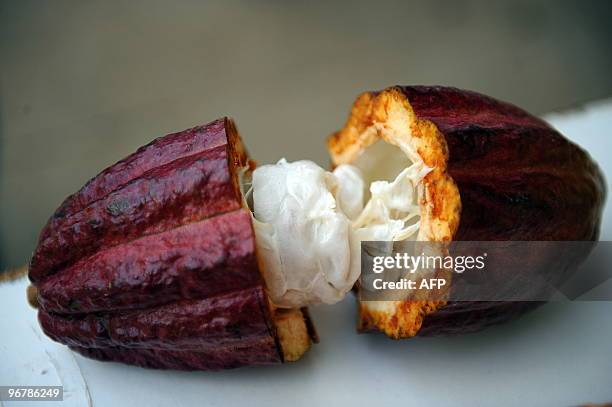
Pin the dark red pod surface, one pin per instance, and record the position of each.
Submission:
(154, 263)
(192, 261)
(498, 174)
(221, 358)
(519, 179)
(180, 192)
(155, 154)
(189, 325)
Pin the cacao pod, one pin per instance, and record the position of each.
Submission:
(153, 262)
(499, 173)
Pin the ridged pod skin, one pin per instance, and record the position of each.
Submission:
(500, 174)
(197, 260)
(153, 263)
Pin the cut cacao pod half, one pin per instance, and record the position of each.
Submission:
(497, 174)
(153, 263)
(185, 255)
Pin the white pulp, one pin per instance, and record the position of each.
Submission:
(309, 224)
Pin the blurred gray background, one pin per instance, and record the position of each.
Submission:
(82, 84)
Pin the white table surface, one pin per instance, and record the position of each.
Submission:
(559, 355)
